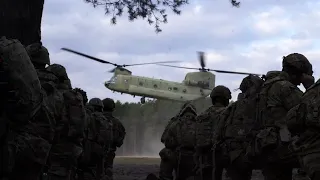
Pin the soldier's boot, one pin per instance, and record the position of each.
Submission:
(166, 170)
(59, 173)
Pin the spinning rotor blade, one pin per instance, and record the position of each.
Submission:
(181, 67)
(202, 60)
(218, 71)
(233, 72)
(87, 56)
(125, 65)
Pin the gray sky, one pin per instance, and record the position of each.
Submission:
(252, 38)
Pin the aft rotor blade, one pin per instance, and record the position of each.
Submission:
(178, 66)
(233, 72)
(125, 65)
(87, 56)
(202, 59)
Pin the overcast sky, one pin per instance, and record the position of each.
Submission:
(252, 38)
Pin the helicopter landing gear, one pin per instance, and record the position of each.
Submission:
(143, 100)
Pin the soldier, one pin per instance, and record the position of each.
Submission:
(119, 133)
(98, 137)
(39, 57)
(303, 121)
(70, 122)
(236, 125)
(167, 155)
(278, 95)
(182, 140)
(24, 149)
(206, 124)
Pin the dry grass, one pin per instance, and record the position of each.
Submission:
(136, 160)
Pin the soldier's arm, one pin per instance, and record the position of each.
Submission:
(295, 119)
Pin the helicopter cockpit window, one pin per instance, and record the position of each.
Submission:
(170, 88)
(113, 80)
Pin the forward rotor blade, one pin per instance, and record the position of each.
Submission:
(125, 65)
(112, 70)
(87, 56)
(233, 72)
(181, 67)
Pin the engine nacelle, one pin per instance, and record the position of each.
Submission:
(205, 80)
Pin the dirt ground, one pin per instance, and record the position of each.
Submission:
(137, 168)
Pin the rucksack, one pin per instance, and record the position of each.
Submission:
(73, 114)
(263, 114)
(101, 129)
(186, 130)
(206, 124)
(242, 118)
(310, 106)
(119, 132)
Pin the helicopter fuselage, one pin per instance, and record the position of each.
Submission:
(156, 88)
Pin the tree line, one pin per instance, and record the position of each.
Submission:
(145, 123)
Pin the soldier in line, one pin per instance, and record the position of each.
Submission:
(118, 136)
(24, 147)
(167, 155)
(98, 136)
(277, 96)
(70, 122)
(181, 139)
(235, 129)
(206, 124)
(303, 121)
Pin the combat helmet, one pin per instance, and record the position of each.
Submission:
(250, 81)
(96, 102)
(220, 91)
(297, 63)
(60, 71)
(38, 54)
(83, 94)
(108, 104)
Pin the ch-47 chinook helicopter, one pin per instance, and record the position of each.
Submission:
(196, 85)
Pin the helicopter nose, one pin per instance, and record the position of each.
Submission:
(106, 84)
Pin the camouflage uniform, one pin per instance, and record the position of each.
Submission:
(119, 134)
(303, 121)
(98, 137)
(39, 57)
(277, 96)
(182, 140)
(24, 141)
(70, 118)
(206, 124)
(236, 125)
(167, 155)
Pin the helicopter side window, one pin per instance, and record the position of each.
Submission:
(175, 88)
(184, 90)
(140, 83)
(170, 88)
(155, 86)
(126, 81)
(113, 80)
